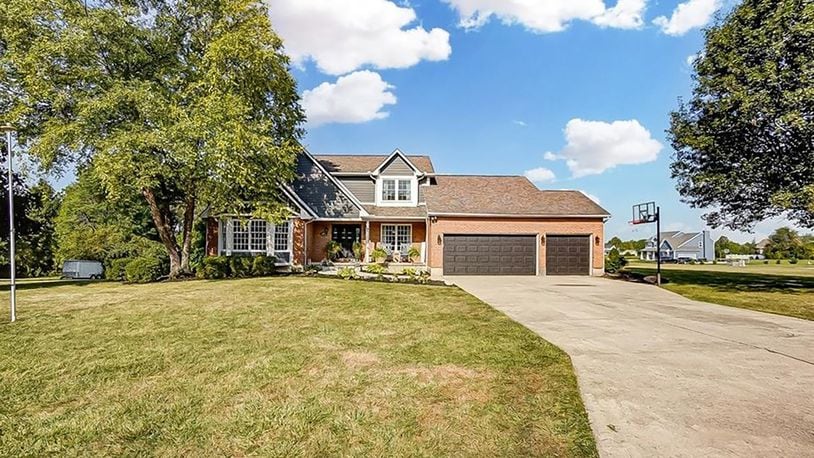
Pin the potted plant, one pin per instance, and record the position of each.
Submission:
(379, 255)
(358, 250)
(332, 249)
(414, 254)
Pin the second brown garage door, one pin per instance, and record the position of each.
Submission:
(567, 255)
(490, 254)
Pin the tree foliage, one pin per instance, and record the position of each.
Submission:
(188, 103)
(35, 207)
(92, 225)
(786, 243)
(745, 140)
(625, 245)
(724, 246)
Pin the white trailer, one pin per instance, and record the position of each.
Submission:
(78, 268)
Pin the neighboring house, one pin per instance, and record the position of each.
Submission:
(460, 224)
(760, 247)
(677, 245)
(609, 247)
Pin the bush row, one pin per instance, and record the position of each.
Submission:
(141, 269)
(214, 267)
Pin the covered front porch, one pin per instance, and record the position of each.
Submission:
(358, 239)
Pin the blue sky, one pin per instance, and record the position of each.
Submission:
(575, 94)
(498, 93)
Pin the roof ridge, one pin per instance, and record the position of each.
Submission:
(477, 175)
(367, 155)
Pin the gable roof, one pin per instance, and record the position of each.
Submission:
(676, 239)
(367, 163)
(504, 195)
(323, 194)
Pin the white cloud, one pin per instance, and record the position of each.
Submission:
(344, 35)
(593, 147)
(354, 98)
(540, 175)
(544, 16)
(520, 123)
(627, 14)
(687, 16)
(549, 156)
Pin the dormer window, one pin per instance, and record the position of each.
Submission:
(397, 190)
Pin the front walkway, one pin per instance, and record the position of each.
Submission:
(662, 375)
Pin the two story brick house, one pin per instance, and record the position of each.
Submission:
(460, 224)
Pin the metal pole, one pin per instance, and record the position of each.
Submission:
(658, 246)
(11, 229)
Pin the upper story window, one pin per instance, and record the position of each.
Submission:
(397, 190)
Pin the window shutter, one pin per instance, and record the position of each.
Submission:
(230, 234)
(270, 238)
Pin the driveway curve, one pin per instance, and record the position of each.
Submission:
(662, 375)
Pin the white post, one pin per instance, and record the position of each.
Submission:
(367, 242)
(12, 266)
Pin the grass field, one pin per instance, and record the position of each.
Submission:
(801, 269)
(782, 289)
(280, 366)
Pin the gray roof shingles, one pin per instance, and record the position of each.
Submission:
(365, 163)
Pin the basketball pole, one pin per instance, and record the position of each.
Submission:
(658, 246)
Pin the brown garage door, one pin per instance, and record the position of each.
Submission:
(490, 254)
(567, 255)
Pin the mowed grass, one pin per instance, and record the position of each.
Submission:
(280, 367)
(780, 293)
(803, 268)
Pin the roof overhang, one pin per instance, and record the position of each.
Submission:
(513, 215)
(397, 152)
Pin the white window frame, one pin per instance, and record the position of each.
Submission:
(412, 202)
(227, 248)
(396, 236)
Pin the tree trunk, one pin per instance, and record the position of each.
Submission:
(189, 221)
(162, 217)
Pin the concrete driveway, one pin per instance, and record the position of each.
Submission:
(662, 375)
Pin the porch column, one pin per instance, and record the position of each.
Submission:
(367, 242)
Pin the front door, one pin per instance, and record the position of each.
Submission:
(346, 235)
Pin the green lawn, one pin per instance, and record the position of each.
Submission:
(801, 269)
(280, 366)
(751, 288)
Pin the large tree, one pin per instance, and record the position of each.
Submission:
(189, 103)
(92, 225)
(744, 142)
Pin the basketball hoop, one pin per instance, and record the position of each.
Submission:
(644, 213)
(647, 213)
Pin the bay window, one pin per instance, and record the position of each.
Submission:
(256, 237)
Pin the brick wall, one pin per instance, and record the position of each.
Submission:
(317, 241)
(211, 237)
(447, 225)
(298, 241)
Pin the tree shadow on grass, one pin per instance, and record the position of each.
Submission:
(734, 281)
(35, 284)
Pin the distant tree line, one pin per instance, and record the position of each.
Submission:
(786, 243)
(623, 245)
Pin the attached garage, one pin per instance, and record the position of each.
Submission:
(485, 254)
(568, 255)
